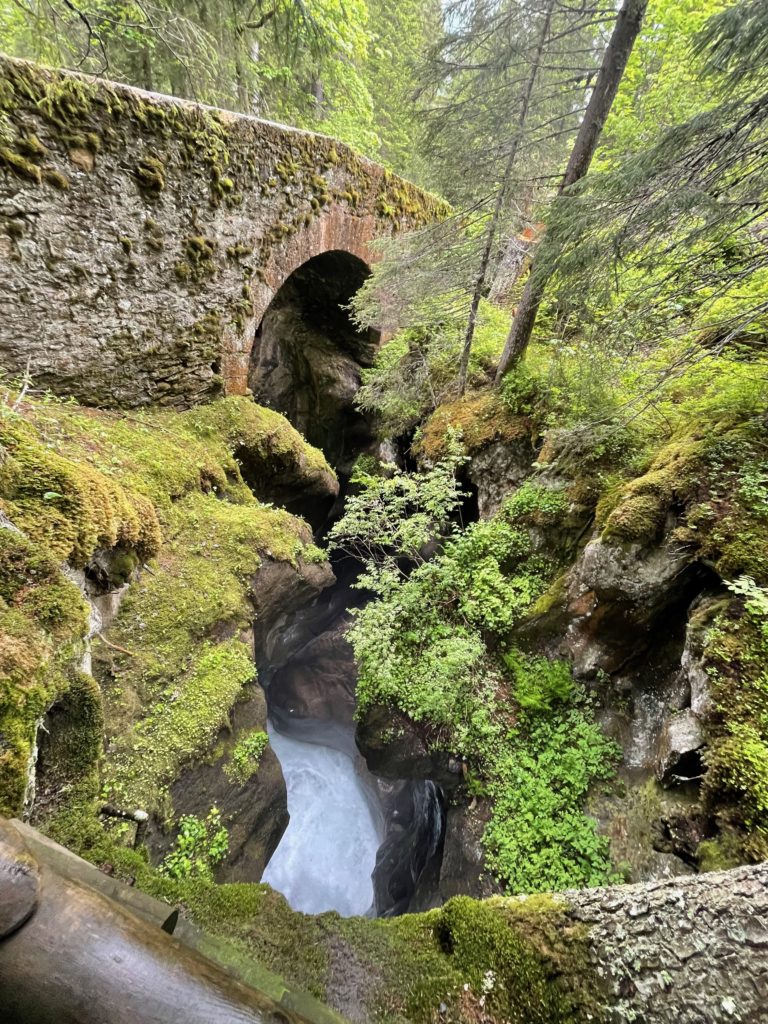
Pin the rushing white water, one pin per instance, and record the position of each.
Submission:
(326, 856)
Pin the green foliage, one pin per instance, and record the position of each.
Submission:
(395, 515)
(201, 845)
(427, 648)
(736, 649)
(340, 67)
(539, 838)
(246, 757)
(415, 372)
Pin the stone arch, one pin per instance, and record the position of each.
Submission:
(304, 354)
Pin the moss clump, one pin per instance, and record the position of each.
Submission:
(43, 622)
(200, 258)
(55, 178)
(239, 251)
(150, 174)
(20, 164)
(69, 508)
(736, 783)
(245, 758)
(259, 438)
(480, 419)
(637, 512)
(712, 492)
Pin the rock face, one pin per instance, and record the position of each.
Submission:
(144, 237)
(680, 744)
(497, 470)
(307, 356)
(254, 809)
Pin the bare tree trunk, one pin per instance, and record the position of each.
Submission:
(499, 205)
(625, 32)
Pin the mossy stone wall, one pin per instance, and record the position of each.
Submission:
(142, 236)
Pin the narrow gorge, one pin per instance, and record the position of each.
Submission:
(321, 701)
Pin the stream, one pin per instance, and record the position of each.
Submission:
(327, 855)
(355, 843)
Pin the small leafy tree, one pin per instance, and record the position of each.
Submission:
(394, 517)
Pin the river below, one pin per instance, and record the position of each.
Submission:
(328, 852)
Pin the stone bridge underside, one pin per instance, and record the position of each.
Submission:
(143, 238)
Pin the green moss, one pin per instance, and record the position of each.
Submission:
(78, 480)
(637, 512)
(150, 174)
(71, 509)
(43, 620)
(245, 758)
(479, 419)
(178, 726)
(31, 147)
(55, 178)
(238, 251)
(200, 258)
(19, 164)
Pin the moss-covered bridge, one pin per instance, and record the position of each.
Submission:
(143, 238)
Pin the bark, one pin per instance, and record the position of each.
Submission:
(499, 205)
(692, 950)
(625, 32)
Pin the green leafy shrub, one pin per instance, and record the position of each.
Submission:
(435, 646)
(202, 843)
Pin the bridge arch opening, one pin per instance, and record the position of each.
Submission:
(308, 353)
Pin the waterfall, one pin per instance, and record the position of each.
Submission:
(328, 852)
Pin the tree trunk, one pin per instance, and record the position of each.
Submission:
(693, 950)
(499, 205)
(625, 32)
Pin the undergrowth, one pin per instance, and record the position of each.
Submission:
(437, 646)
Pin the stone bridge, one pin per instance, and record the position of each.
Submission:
(155, 250)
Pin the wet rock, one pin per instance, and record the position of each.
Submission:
(463, 869)
(680, 744)
(254, 811)
(498, 470)
(692, 664)
(616, 593)
(319, 681)
(394, 749)
(681, 834)
(277, 591)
